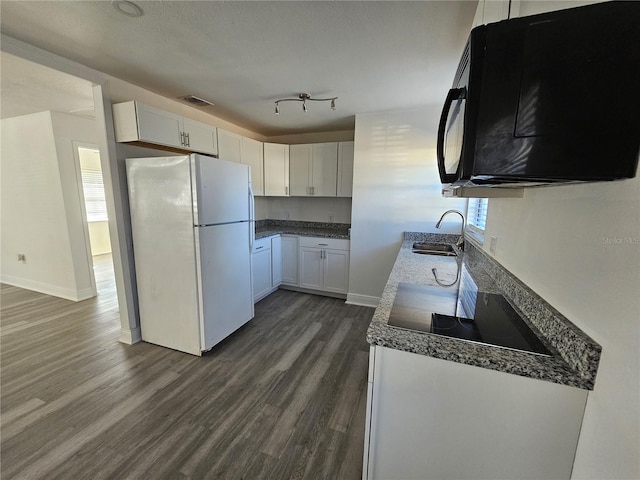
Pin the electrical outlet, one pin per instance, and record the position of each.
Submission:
(331, 218)
(22, 258)
(492, 245)
(288, 215)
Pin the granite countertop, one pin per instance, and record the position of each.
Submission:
(267, 228)
(575, 355)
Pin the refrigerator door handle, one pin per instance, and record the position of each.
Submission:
(252, 219)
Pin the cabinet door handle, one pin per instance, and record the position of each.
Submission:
(286, 190)
(323, 244)
(182, 138)
(188, 141)
(258, 248)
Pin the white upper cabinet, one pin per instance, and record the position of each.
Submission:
(137, 122)
(313, 169)
(345, 169)
(200, 137)
(251, 153)
(276, 170)
(229, 146)
(236, 148)
(324, 169)
(300, 169)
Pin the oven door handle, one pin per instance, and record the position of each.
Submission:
(454, 94)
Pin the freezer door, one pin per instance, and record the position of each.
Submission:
(221, 191)
(224, 272)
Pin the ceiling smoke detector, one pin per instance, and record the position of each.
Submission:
(127, 8)
(196, 101)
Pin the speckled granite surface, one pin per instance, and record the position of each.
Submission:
(266, 228)
(575, 355)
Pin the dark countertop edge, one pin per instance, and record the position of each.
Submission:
(576, 355)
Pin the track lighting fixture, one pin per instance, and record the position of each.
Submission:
(304, 97)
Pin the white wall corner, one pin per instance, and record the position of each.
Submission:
(362, 300)
(129, 337)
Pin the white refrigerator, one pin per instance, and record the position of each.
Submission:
(193, 230)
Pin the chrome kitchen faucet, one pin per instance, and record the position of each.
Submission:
(460, 242)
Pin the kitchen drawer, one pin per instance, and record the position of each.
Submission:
(262, 244)
(319, 242)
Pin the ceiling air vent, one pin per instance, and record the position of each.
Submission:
(196, 101)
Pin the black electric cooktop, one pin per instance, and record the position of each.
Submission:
(461, 311)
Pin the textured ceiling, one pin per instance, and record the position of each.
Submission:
(242, 56)
(27, 87)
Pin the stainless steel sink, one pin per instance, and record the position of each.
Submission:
(434, 249)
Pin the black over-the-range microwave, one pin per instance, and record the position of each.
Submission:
(543, 99)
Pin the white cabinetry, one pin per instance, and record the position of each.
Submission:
(229, 146)
(261, 265)
(252, 154)
(345, 169)
(300, 169)
(200, 137)
(137, 122)
(289, 259)
(266, 266)
(236, 148)
(276, 170)
(313, 169)
(432, 418)
(324, 264)
(276, 261)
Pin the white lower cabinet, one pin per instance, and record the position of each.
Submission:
(324, 264)
(308, 263)
(311, 268)
(276, 261)
(261, 265)
(433, 418)
(289, 259)
(266, 266)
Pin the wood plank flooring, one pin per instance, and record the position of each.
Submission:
(282, 398)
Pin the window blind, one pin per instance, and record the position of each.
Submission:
(94, 198)
(477, 213)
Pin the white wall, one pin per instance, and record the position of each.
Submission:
(578, 247)
(396, 188)
(316, 209)
(42, 205)
(99, 237)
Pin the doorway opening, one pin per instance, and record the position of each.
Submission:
(97, 220)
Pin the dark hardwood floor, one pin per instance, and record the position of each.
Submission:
(282, 398)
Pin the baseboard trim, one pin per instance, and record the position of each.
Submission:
(129, 337)
(48, 289)
(314, 292)
(362, 300)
